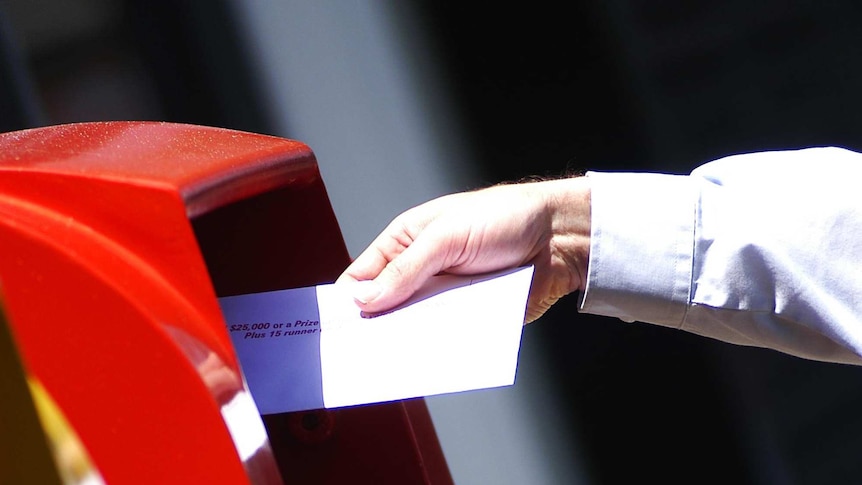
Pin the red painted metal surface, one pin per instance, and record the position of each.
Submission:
(118, 236)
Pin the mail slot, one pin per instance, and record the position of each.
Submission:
(117, 240)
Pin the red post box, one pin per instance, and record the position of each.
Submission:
(116, 239)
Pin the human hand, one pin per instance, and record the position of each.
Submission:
(546, 224)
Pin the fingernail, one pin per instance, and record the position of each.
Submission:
(365, 291)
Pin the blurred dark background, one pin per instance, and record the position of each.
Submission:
(538, 90)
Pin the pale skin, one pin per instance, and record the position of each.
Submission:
(546, 224)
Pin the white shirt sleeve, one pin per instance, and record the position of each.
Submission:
(762, 249)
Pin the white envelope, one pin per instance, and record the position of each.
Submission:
(311, 348)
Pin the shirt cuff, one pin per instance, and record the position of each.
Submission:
(641, 247)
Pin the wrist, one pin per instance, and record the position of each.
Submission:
(568, 205)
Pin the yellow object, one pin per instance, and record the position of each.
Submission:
(37, 443)
(72, 460)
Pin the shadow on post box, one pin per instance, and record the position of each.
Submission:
(118, 237)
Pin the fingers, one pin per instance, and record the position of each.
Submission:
(537, 308)
(386, 247)
(398, 261)
(404, 274)
(365, 267)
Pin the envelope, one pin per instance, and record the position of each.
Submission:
(312, 348)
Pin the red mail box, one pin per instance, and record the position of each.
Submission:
(117, 239)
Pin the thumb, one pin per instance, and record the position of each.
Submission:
(400, 278)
